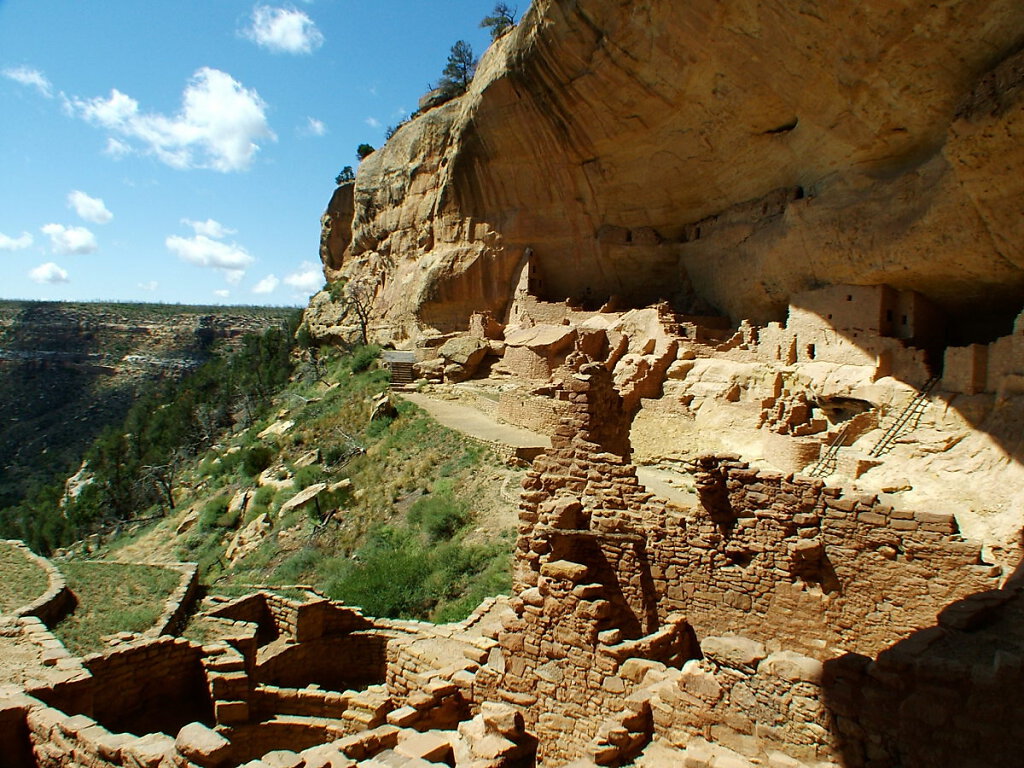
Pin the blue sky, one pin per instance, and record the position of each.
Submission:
(183, 150)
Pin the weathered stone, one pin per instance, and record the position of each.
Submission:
(736, 652)
(202, 745)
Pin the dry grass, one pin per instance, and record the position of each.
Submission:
(112, 597)
(23, 579)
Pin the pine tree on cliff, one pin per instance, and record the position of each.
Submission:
(501, 19)
(459, 71)
(346, 175)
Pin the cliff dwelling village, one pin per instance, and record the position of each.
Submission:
(733, 293)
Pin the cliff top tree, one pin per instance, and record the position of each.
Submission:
(458, 72)
(346, 175)
(363, 151)
(501, 19)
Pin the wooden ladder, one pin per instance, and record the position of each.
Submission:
(910, 417)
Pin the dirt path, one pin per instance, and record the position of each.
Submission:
(22, 661)
(470, 421)
(661, 482)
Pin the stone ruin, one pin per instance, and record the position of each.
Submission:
(778, 622)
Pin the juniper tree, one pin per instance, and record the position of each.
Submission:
(346, 175)
(501, 19)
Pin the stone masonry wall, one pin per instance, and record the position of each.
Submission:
(336, 663)
(601, 564)
(51, 606)
(539, 414)
(802, 566)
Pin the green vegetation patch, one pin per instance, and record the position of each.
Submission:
(398, 573)
(112, 597)
(23, 579)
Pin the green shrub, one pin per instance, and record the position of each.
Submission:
(307, 476)
(440, 513)
(257, 459)
(214, 513)
(388, 579)
(264, 495)
(112, 597)
(378, 427)
(396, 574)
(362, 358)
(295, 568)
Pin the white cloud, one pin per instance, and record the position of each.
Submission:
(219, 125)
(283, 30)
(315, 127)
(373, 122)
(48, 273)
(117, 148)
(267, 285)
(204, 252)
(30, 77)
(70, 239)
(89, 208)
(222, 293)
(8, 243)
(210, 228)
(152, 285)
(308, 279)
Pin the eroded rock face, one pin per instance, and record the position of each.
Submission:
(747, 149)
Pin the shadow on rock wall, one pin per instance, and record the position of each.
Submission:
(947, 695)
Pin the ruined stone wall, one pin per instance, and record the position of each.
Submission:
(602, 565)
(740, 697)
(539, 414)
(789, 561)
(527, 309)
(996, 368)
(51, 606)
(334, 662)
(943, 696)
(269, 700)
(179, 602)
(937, 697)
(158, 683)
(65, 741)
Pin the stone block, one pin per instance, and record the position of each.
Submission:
(325, 756)
(792, 666)
(635, 669)
(564, 569)
(203, 746)
(502, 719)
(735, 652)
(431, 746)
(149, 751)
(698, 681)
(403, 717)
(283, 758)
(230, 712)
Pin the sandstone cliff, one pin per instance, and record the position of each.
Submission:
(735, 152)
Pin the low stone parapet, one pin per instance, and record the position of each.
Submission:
(179, 603)
(55, 603)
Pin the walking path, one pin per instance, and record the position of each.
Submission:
(475, 423)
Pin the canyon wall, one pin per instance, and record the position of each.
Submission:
(68, 370)
(715, 154)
